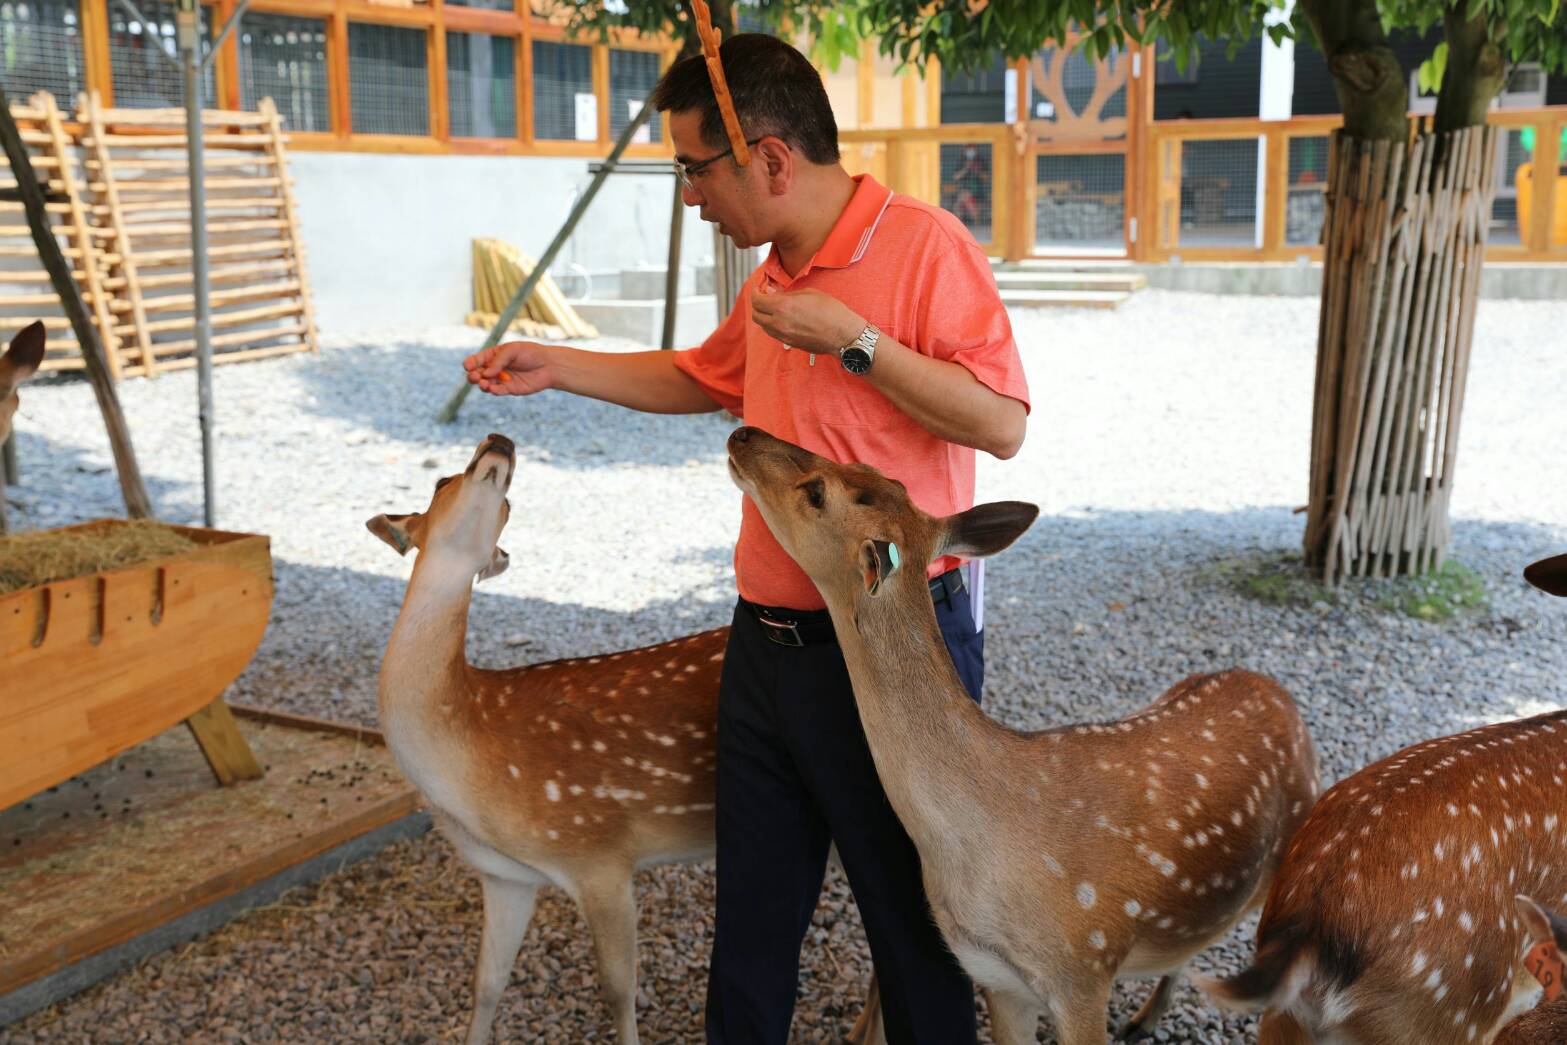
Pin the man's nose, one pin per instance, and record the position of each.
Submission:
(689, 196)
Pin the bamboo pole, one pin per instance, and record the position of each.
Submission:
(137, 504)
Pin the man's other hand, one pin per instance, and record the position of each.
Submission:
(517, 368)
(806, 319)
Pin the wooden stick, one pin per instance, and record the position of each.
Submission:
(137, 503)
(710, 38)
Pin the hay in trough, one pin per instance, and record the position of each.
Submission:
(29, 559)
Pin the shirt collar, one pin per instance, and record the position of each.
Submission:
(851, 233)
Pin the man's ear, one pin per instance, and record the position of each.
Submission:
(394, 530)
(878, 561)
(986, 529)
(497, 565)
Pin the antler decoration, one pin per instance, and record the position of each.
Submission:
(715, 72)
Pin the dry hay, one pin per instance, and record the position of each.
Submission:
(30, 559)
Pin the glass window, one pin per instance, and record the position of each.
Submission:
(43, 50)
(284, 58)
(632, 75)
(481, 85)
(388, 79)
(143, 78)
(564, 105)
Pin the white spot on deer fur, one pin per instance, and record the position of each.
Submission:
(1465, 922)
(552, 834)
(1418, 964)
(1132, 907)
(1202, 781)
(552, 791)
(1096, 940)
(1085, 895)
(513, 770)
(1053, 864)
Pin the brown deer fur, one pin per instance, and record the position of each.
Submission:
(1055, 862)
(572, 772)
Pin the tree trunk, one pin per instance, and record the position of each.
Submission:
(1404, 241)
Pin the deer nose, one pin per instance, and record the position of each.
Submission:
(496, 441)
(741, 434)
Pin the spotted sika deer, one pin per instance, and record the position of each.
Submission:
(1055, 862)
(1392, 920)
(573, 772)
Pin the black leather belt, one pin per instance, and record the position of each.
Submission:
(803, 627)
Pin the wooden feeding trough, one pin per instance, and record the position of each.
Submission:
(98, 663)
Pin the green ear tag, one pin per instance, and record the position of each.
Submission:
(892, 553)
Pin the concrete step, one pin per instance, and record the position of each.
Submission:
(1041, 279)
(643, 320)
(1063, 298)
(1062, 265)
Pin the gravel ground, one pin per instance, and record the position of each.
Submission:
(1168, 438)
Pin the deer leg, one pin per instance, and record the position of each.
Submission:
(508, 908)
(1141, 1026)
(1014, 1016)
(611, 911)
(869, 1028)
(1080, 1013)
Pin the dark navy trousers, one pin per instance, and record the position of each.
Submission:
(794, 773)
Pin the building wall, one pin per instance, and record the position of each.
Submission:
(389, 237)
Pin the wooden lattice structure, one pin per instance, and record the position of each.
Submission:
(1405, 244)
(25, 291)
(121, 204)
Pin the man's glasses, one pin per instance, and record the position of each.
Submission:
(686, 170)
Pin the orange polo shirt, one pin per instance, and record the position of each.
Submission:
(914, 271)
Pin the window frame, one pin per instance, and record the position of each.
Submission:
(436, 18)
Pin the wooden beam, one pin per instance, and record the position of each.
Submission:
(223, 744)
(137, 503)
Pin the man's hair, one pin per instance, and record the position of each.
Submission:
(775, 89)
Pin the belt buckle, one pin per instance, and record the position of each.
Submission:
(782, 632)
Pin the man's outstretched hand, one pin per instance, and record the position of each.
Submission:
(517, 368)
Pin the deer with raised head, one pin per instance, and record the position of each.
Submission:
(21, 360)
(1392, 920)
(1059, 861)
(572, 772)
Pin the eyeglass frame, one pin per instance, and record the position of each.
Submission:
(683, 171)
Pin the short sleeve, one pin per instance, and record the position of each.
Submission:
(718, 364)
(963, 320)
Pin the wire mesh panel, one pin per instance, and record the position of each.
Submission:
(388, 79)
(1219, 193)
(481, 85)
(564, 105)
(143, 78)
(632, 75)
(284, 58)
(1306, 205)
(1515, 167)
(967, 181)
(1080, 203)
(42, 48)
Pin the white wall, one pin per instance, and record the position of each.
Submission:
(389, 237)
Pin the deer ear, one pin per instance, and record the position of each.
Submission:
(1543, 926)
(986, 529)
(497, 565)
(394, 530)
(26, 353)
(1549, 575)
(878, 561)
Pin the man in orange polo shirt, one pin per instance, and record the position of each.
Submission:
(872, 333)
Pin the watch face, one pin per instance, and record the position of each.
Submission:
(856, 360)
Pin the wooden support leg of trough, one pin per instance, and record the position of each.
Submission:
(227, 750)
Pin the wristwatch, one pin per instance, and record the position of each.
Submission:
(858, 354)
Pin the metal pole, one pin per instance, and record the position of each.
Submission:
(448, 412)
(188, 34)
(672, 273)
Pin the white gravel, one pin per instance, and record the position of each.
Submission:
(1166, 438)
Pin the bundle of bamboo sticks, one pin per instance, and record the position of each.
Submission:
(498, 270)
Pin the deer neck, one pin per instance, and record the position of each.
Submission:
(925, 734)
(426, 659)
